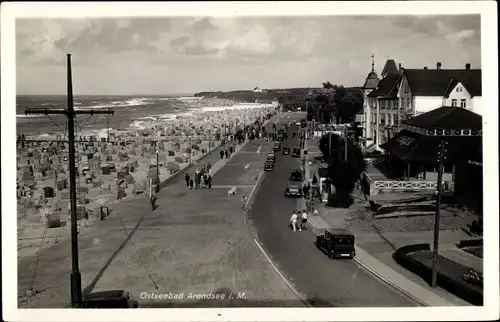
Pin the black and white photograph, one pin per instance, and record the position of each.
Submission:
(250, 161)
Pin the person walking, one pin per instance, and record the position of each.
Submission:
(191, 183)
(304, 220)
(244, 202)
(221, 154)
(151, 195)
(186, 177)
(293, 220)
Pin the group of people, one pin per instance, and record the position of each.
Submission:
(227, 152)
(302, 216)
(204, 175)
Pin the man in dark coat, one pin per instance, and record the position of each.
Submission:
(186, 177)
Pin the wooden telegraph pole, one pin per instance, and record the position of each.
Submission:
(441, 158)
(345, 145)
(69, 111)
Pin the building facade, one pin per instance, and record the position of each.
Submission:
(404, 93)
(364, 117)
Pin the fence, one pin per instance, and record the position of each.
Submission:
(405, 185)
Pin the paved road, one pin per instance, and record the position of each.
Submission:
(324, 282)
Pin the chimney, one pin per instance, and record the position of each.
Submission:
(438, 66)
(467, 66)
(425, 67)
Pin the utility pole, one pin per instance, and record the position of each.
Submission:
(76, 282)
(329, 143)
(441, 158)
(346, 133)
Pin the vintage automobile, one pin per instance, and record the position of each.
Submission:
(277, 146)
(269, 166)
(285, 150)
(293, 190)
(336, 243)
(296, 153)
(296, 175)
(271, 157)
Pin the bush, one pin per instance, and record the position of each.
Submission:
(450, 274)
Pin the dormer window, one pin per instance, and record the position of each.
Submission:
(453, 103)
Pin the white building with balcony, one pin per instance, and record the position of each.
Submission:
(404, 93)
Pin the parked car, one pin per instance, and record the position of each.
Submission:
(293, 190)
(269, 166)
(296, 175)
(336, 243)
(277, 146)
(285, 150)
(296, 153)
(271, 157)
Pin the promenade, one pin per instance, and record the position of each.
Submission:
(195, 241)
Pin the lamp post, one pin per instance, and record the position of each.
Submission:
(441, 158)
(157, 171)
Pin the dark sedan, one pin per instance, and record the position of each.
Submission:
(293, 190)
(269, 166)
(286, 150)
(296, 176)
(277, 146)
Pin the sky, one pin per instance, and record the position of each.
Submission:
(181, 55)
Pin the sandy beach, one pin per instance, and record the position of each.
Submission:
(111, 171)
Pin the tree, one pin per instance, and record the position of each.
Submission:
(327, 85)
(343, 174)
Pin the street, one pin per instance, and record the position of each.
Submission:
(324, 282)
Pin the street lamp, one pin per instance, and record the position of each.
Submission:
(157, 171)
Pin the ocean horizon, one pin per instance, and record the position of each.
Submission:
(130, 111)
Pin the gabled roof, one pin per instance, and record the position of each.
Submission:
(433, 82)
(451, 86)
(448, 118)
(385, 86)
(390, 68)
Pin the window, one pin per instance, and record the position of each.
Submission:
(408, 104)
(463, 103)
(453, 103)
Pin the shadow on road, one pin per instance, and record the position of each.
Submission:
(92, 285)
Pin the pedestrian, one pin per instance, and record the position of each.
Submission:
(205, 180)
(209, 179)
(304, 220)
(227, 154)
(191, 183)
(186, 177)
(293, 220)
(315, 212)
(151, 195)
(221, 154)
(244, 202)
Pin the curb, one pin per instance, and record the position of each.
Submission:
(386, 281)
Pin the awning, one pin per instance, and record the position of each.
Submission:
(410, 146)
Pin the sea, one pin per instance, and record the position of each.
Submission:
(130, 112)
